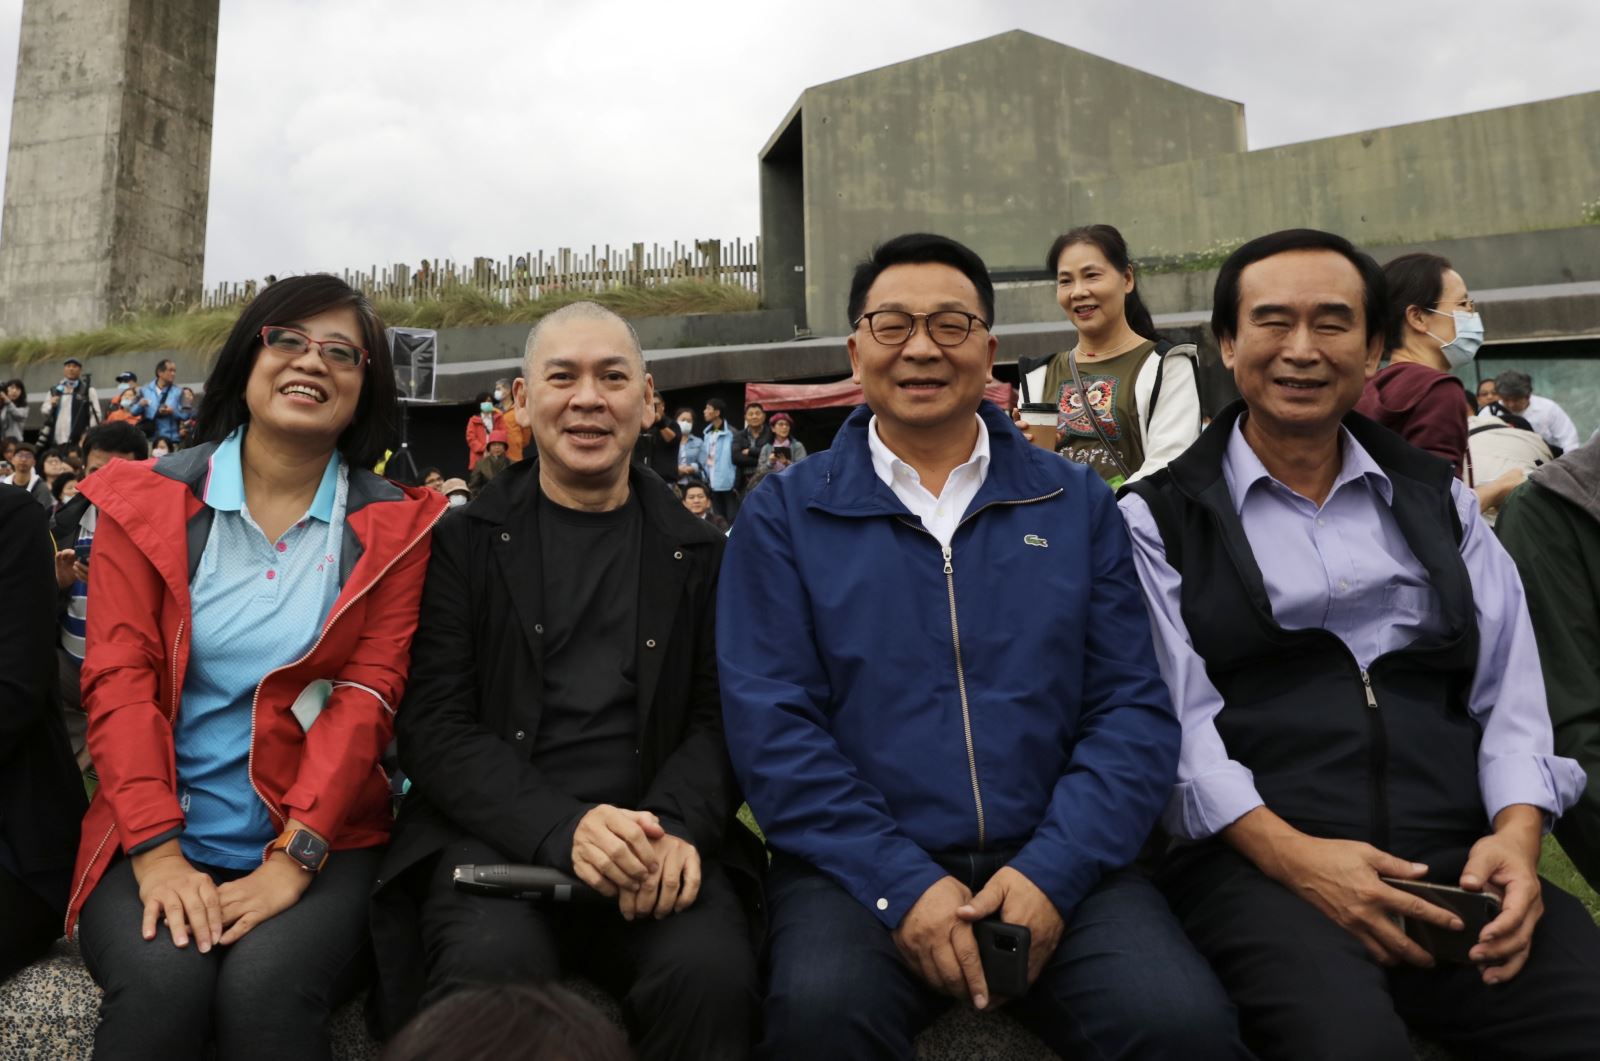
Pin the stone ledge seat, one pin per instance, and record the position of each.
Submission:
(49, 1010)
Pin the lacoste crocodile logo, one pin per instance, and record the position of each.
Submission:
(1034, 539)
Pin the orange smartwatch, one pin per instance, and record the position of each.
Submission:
(309, 851)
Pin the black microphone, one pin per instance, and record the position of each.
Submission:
(508, 881)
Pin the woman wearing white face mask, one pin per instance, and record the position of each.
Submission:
(1432, 326)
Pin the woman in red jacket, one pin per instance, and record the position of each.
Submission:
(254, 598)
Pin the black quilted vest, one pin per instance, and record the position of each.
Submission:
(1389, 755)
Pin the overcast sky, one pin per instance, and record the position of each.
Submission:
(363, 131)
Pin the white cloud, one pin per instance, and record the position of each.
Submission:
(364, 132)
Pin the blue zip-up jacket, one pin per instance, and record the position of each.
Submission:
(907, 703)
(719, 469)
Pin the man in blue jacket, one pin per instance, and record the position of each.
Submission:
(962, 716)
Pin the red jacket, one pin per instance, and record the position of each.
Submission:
(151, 531)
(478, 438)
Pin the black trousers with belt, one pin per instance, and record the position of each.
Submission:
(687, 982)
(1306, 989)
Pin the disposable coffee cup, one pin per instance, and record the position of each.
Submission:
(1040, 420)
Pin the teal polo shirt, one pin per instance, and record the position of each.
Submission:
(258, 605)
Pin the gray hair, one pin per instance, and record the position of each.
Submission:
(1513, 384)
(578, 311)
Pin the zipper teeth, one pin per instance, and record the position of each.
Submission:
(961, 684)
(66, 928)
(955, 640)
(250, 762)
(1379, 765)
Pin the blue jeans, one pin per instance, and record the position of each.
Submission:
(1123, 983)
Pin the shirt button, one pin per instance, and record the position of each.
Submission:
(651, 643)
(283, 547)
(677, 556)
(271, 574)
(521, 735)
(883, 904)
(505, 537)
(1344, 584)
(1321, 522)
(538, 628)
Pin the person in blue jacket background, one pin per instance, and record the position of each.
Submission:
(964, 717)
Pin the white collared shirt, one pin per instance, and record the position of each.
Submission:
(941, 514)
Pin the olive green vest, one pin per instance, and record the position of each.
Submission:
(1109, 384)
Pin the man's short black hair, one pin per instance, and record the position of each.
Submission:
(1225, 297)
(719, 405)
(917, 248)
(120, 437)
(1513, 384)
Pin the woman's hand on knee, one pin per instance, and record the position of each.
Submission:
(262, 894)
(171, 888)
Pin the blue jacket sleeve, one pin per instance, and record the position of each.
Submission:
(806, 794)
(1125, 761)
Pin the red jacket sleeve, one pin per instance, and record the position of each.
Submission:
(130, 734)
(357, 722)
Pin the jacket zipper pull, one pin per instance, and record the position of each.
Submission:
(947, 568)
(1366, 683)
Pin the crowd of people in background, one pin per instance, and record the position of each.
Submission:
(1292, 684)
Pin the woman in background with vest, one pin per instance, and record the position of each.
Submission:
(1432, 327)
(1140, 388)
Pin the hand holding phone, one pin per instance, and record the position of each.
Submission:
(1003, 950)
(1475, 909)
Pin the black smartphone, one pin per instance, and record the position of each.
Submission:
(1476, 910)
(1003, 949)
(83, 553)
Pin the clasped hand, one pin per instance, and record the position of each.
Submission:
(628, 856)
(192, 903)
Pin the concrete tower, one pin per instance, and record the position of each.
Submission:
(109, 163)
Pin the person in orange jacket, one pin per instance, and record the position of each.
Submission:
(255, 598)
(517, 436)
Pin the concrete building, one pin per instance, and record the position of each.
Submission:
(1005, 142)
(109, 164)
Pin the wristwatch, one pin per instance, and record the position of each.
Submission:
(310, 851)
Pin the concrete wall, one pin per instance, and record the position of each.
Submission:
(1513, 169)
(1518, 259)
(108, 166)
(982, 142)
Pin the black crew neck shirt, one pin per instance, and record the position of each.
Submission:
(588, 724)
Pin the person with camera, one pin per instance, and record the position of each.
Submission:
(71, 408)
(563, 712)
(1367, 766)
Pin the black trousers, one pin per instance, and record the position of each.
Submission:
(687, 982)
(267, 996)
(28, 925)
(1306, 989)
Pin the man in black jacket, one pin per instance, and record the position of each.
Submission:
(563, 710)
(747, 443)
(41, 794)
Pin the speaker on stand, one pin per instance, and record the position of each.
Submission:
(414, 351)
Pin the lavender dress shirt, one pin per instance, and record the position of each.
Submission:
(1346, 567)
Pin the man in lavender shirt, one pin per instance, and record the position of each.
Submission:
(1350, 656)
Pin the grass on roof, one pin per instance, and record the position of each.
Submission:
(200, 331)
